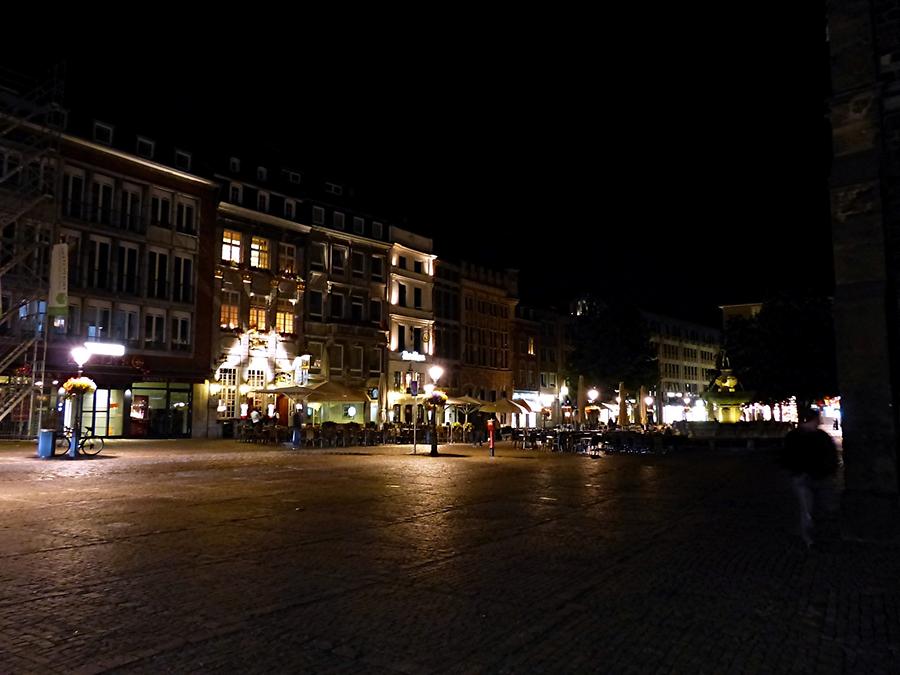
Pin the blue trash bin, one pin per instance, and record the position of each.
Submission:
(45, 443)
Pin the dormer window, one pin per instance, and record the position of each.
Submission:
(145, 147)
(334, 188)
(183, 160)
(103, 133)
(261, 173)
(294, 177)
(234, 165)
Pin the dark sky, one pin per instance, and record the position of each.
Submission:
(679, 173)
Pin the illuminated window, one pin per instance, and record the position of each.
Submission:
(228, 380)
(228, 315)
(231, 246)
(258, 317)
(287, 258)
(284, 317)
(531, 346)
(256, 379)
(259, 253)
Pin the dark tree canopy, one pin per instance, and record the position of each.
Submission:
(786, 350)
(611, 345)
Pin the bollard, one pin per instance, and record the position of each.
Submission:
(45, 443)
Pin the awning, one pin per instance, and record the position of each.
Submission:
(501, 406)
(333, 391)
(523, 404)
(465, 401)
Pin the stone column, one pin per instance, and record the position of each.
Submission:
(865, 53)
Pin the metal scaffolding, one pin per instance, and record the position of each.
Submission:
(31, 121)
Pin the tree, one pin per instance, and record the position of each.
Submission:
(611, 344)
(785, 350)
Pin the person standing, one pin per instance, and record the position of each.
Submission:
(811, 457)
(297, 424)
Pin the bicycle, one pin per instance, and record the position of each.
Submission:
(88, 443)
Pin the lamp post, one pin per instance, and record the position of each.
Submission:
(435, 372)
(593, 395)
(80, 355)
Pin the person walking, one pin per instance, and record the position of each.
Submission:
(811, 457)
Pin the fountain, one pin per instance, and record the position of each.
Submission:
(724, 400)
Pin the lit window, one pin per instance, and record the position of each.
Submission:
(284, 317)
(231, 246)
(259, 253)
(258, 317)
(228, 315)
(287, 258)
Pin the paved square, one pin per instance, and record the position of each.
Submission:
(214, 556)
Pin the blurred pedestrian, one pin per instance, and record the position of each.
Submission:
(811, 457)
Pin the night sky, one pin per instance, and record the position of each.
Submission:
(682, 177)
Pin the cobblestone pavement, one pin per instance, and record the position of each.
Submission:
(214, 556)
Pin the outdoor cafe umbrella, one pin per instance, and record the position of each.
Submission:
(332, 391)
(466, 403)
(502, 406)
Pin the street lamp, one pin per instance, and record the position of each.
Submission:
(80, 355)
(593, 395)
(435, 372)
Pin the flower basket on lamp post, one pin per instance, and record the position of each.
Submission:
(76, 388)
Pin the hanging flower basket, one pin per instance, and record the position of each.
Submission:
(79, 385)
(437, 398)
